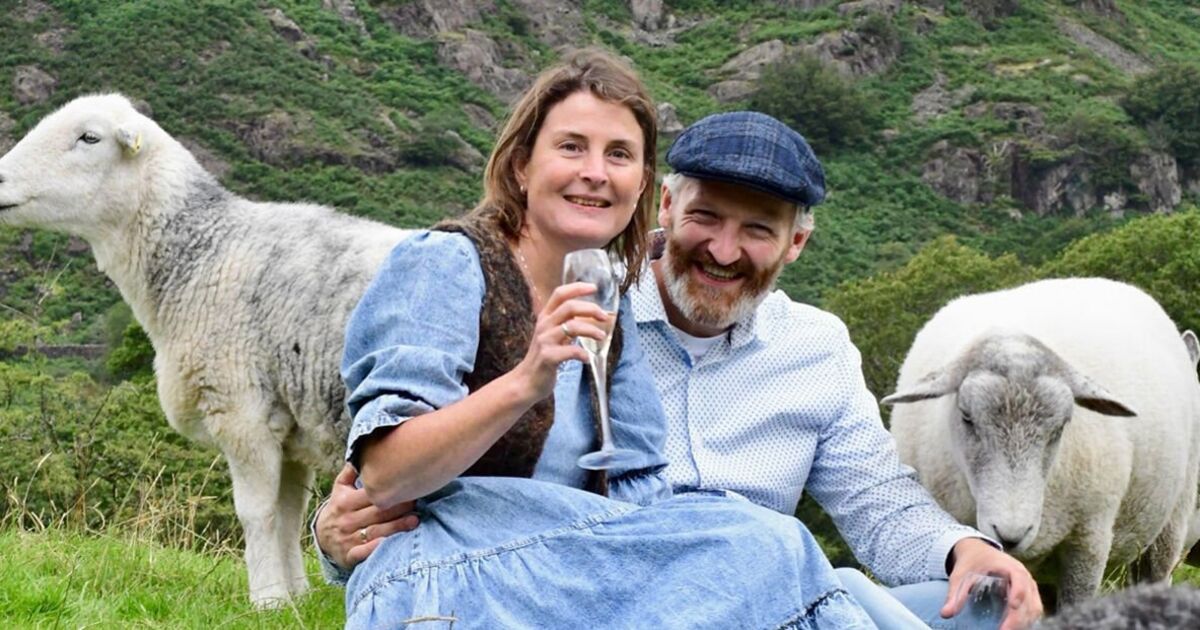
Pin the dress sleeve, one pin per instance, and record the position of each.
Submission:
(413, 335)
(638, 420)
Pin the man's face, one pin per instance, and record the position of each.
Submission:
(726, 245)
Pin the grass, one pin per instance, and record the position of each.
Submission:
(60, 578)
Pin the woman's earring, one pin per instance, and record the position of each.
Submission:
(522, 187)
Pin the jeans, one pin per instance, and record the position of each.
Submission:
(911, 606)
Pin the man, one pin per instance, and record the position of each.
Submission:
(764, 396)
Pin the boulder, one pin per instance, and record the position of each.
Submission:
(556, 24)
(668, 120)
(422, 19)
(346, 10)
(956, 173)
(749, 64)
(648, 14)
(853, 53)
(32, 86)
(477, 56)
(463, 155)
(54, 39)
(291, 32)
(1156, 176)
(732, 90)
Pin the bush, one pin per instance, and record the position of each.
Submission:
(1157, 253)
(1105, 144)
(816, 101)
(885, 312)
(1167, 103)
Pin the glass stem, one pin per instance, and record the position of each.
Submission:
(599, 374)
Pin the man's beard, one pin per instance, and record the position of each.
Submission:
(710, 306)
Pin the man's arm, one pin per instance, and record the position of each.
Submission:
(348, 527)
(892, 522)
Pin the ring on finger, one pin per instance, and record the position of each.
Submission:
(362, 535)
(566, 331)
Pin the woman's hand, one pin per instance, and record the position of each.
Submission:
(563, 318)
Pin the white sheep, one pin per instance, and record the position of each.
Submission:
(1011, 425)
(245, 303)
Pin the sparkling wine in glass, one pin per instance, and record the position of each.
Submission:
(986, 601)
(593, 266)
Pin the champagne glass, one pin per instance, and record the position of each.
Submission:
(594, 266)
(986, 601)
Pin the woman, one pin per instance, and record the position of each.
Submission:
(460, 361)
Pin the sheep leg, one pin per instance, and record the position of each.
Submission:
(1159, 559)
(1083, 562)
(294, 488)
(255, 463)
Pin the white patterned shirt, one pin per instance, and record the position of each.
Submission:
(780, 406)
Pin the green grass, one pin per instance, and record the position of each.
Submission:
(56, 578)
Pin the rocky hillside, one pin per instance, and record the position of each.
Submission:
(1006, 122)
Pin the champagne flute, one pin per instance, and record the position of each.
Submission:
(594, 266)
(986, 601)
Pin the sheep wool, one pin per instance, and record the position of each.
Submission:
(1059, 418)
(244, 302)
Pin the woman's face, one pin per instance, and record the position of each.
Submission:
(585, 173)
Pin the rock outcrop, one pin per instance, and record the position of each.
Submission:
(1104, 48)
(990, 13)
(7, 141)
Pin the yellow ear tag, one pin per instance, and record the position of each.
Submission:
(134, 146)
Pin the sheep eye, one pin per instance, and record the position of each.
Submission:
(966, 417)
(90, 137)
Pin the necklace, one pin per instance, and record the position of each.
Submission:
(534, 293)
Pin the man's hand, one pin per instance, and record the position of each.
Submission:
(350, 527)
(972, 555)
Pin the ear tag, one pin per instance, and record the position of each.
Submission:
(132, 144)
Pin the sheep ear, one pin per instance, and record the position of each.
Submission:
(935, 385)
(1193, 346)
(130, 140)
(1090, 395)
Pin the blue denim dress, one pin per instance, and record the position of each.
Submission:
(500, 552)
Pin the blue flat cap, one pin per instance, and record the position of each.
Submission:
(751, 149)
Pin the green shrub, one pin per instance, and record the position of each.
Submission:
(1105, 143)
(1157, 253)
(885, 312)
(1167, 102)
(815, 100)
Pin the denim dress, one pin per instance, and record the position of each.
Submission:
(503, 552)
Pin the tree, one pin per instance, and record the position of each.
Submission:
(884, 312)
(1167, 103)
(1158, 254)
(818, 102)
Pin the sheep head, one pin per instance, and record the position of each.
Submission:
(79, 170)
(1014, 397)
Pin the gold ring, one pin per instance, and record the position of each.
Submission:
(362, 534)
(566, 331)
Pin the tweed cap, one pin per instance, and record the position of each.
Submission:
(751, 149)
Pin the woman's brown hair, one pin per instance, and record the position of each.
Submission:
(606, 78)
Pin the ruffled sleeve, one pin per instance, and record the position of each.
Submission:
(413, 335)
